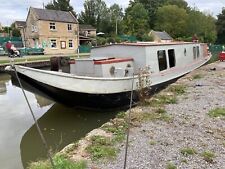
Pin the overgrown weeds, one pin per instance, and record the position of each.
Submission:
(218, 112)
(60, 162)
(101, 148)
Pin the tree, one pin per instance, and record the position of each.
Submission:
(180, 3)
(151, 6)
(220, 26)
(136, 20)
(116, 17)
(172, 19)
(63, 5)
(202, 25)
(95, 13)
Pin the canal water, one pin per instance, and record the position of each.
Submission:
(19, 140)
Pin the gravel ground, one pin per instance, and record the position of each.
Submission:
(154, 145)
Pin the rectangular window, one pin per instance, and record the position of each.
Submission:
(69, 27)
(53, 43)
(194, 52)
(198, 52)
(52, 26)
(172, 59)
(70, 43)
(162, 60)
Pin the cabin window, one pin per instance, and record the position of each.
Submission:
(52, 26)
(185, 52)
(162, 60)
(69, 26)
(53, 43)
(172, 59)
(198, 52)
(194, 52)
(70, 43)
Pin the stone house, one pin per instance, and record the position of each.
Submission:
(55, 31)
(86, 33)
(160, 36)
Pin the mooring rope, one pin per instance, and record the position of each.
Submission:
(34, 118)
(128, 125)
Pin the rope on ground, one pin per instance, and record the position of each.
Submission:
(34, 118)
(128, 125)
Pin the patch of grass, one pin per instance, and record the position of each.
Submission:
(60, 162)
(197, 76)
(160, 100)
(170, 165)
(152, 142)
(208, 156)
(188, 151)
(118, 131)
(177, 89)
(158, 114)
(101, 148)
(121, 115)
(218, 112)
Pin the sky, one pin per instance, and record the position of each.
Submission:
(12, 10)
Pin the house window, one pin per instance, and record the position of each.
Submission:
(53, 43)
(69, 26)
(70, 43)
(52, 26)
(33, 28)
(162, 60)
(172, 59)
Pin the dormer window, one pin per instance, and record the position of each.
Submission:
(69, 26)
(52, 26)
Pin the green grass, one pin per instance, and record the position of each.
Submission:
(160, 100)
(101, 148)
(188, 151)
(197, 76)
(170, 165)
(218, 112)
(60, 162)
(177, 89)
(158, 114)
(35, 58)
(208, 156)
(152, 142)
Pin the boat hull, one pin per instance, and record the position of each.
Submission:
(84, 100)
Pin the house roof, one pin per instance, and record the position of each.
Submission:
(163, 35)
(86, 27)
(54, 15)
(20, 23)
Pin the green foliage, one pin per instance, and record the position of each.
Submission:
(171, 19)
(101, 147)
(177, 89)
(197, 76)
(208, 156)
(220, 25)
(202, 25)
(188, 151)
(158, 115)
(218, 112)
(160, 100)
(136, 20)
(63, 5)
(16, 32)
(170, 165)
(60, 162)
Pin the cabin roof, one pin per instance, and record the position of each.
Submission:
(144, 44)
(54, 15)
(20, 23)
(162, 35)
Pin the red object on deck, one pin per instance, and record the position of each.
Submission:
(222, 56)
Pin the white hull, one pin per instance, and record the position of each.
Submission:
(101, 85)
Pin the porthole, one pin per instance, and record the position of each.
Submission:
(128, 65)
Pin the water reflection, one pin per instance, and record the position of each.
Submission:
(15, 120)
(60, 125)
